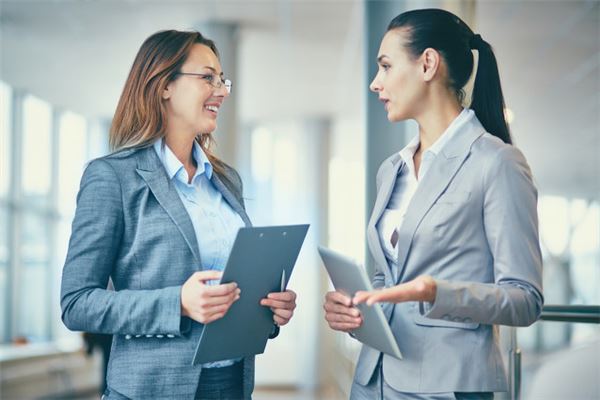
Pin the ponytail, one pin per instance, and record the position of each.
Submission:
(487, 100)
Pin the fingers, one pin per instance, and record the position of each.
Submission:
(208, 300)
(223, 289)
(336, 308)
(336, 317)
(282, 316)
(288, 305)
(344, 327)
(338, 297)
(394, 294)
(287, 296)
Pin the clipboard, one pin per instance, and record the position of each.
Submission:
(261, 261)
(349, 277)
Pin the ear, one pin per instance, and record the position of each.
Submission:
(431, 62)
(166, 94)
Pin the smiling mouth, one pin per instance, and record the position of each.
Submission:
(212, 108)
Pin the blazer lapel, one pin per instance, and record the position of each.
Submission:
(435, 182)
(383, 196)
(152, 171)
(233, 201)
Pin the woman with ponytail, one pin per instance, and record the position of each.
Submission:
(454, 231)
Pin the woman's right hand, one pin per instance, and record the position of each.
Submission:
(204, 303)
(340, 314)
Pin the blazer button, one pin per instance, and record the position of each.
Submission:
(160, 336)
(149, 335)
(457, 319)
(138, 336)
(170, 336)
(127, 337)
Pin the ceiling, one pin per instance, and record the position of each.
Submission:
(302, 58)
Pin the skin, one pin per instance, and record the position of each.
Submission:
(186, 99)
(410, 88)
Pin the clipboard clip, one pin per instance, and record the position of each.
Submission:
(282, 284)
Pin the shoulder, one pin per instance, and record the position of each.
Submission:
(120, 160)
(113, 167)
(495, 154)
(501, 162)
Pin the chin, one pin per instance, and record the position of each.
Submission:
(207, 128)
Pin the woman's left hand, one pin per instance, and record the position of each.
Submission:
(282, 304)
(422, 288)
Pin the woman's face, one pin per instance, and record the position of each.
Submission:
(399, 79)
(192, 103)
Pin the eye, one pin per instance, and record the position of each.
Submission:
(209, 78)
(385, 67)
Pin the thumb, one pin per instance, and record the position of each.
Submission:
(204, 276)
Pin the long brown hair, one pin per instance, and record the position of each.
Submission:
(140, 117)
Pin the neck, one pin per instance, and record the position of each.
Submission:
(440, 112)
(181, 142)
(182, 149)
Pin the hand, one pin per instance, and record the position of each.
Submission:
(204, 303)
(422, 288)
(340, 314)
(282, 304)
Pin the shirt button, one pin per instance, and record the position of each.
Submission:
(127, 337)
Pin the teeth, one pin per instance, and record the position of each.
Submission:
(212, 108)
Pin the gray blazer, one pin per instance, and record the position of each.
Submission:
(130, 225)
(472, 225)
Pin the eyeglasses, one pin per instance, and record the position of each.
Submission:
(212, 79)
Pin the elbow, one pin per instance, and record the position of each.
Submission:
(533, 307)
(69, 315)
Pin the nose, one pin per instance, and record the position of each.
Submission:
(221, 91)
(375, 85)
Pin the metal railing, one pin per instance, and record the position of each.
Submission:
(551, 312)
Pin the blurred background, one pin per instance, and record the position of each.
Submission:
(307, 138)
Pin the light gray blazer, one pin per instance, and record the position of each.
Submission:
(130, 225)
(472, 225)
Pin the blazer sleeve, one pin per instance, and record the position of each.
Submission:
(511, 228)
(97, 232)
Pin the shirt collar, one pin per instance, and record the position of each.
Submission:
(408, 152)
(173, 166)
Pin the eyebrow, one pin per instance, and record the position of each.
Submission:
(212, 69)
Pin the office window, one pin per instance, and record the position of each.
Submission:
(72, 149)
(37, 150)
(5, 138)
(4, 301)
(34, 290)
(5, 173)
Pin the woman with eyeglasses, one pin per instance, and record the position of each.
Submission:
(158, 217)
(454, 229)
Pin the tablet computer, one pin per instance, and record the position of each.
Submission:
(259, 258)
(349, 277)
